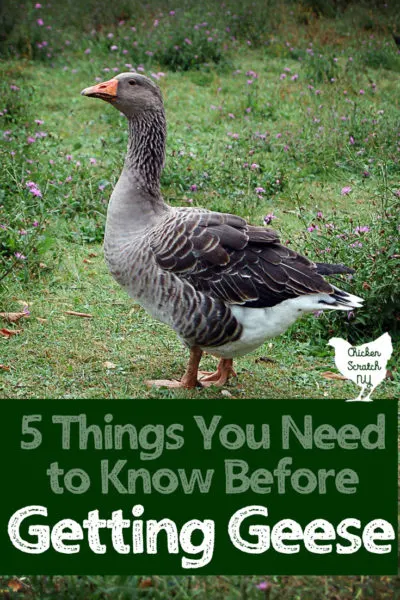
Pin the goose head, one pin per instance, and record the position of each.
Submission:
(131, 93)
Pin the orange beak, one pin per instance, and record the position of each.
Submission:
(106, 90)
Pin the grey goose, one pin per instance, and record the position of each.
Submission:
(223, 285)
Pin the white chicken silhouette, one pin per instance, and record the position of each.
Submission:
(365, 365)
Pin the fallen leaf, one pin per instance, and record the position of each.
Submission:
(109, 365)
(43, 265)
(226, 393)
(93, 254)
(14, 584)
(13, 317)
(78, 314)
(9, 332)
(331, 375)
(41, 320)
(146, 583)
(4, 367)
(87, 261)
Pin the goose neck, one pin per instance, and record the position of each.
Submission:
(146, 149)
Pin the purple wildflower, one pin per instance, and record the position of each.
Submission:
(269, 218)
(345, 190)
(34, 189)
(263, 585)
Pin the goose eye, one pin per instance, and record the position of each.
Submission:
(132, 82)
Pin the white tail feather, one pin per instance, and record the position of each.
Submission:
(346, 301)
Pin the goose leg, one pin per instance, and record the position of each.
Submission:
(189, 380)
(221, 375)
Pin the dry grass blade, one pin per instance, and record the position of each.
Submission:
(73, 313)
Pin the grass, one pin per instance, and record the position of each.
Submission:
(112, 354)
(182, 588)
(65, 356)
(292, 131)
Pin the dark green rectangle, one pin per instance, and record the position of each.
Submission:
(373, 458)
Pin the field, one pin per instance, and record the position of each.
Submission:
(285, 114)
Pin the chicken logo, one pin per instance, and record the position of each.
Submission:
(365, 365)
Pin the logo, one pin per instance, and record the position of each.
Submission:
(365, 365)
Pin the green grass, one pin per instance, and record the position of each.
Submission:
(203, 588)
(65, 356)
(302, 171)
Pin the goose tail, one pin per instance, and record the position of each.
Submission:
(339, 269)
(341, 300)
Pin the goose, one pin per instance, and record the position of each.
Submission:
(223, 285)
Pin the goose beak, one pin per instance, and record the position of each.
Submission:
(106, 90)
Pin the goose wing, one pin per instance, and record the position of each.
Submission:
(221, 255)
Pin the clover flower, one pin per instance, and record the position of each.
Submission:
(345, 190)
(269, 218)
